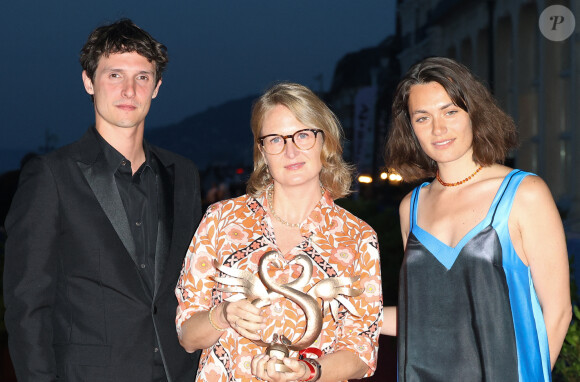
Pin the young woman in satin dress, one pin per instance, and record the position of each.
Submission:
(484, 290)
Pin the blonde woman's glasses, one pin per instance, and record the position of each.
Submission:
(303, 139)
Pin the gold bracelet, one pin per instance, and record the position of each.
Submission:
(211, 321)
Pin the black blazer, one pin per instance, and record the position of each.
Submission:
(76, 306)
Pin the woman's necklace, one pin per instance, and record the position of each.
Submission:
(269, 195)
(460, 182)
(271, 204)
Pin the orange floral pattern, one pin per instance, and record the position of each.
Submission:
(339, 245)
(203, 263)
(343, 254)
(372, 287)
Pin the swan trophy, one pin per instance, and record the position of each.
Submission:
(262, 290)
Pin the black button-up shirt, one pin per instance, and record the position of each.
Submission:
(139, 195)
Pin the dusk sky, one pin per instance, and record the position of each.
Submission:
(219, 50)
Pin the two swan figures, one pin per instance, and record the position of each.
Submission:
(262, 290)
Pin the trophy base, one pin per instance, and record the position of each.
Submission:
(279, 351)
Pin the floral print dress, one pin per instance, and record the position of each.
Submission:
(236, 233)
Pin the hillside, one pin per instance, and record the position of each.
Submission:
(220, 135)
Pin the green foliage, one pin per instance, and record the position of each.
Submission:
(567, 367)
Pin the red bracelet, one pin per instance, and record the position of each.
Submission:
(312, 370)
(313, 365)
(302, 353)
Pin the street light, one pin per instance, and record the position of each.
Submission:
(391, 176)
(365, 179)
(395, 178)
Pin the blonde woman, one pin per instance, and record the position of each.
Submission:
(289, 208)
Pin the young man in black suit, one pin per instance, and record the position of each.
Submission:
(97, 233)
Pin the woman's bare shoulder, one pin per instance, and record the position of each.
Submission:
(533, 190)
(405, 204)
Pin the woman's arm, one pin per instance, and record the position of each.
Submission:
(539, 229)
(199, 332)
(358, 341)
(342, 365)
(389, 327)
(195, 328)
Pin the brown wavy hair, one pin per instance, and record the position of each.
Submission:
(494, 132)
(336, 174)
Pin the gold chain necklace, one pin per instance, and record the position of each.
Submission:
(273, 212)
(460, 182)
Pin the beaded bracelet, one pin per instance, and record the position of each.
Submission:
(213, 323)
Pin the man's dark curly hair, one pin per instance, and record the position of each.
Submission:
(122, 36)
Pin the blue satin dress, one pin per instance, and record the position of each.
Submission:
(470, 312)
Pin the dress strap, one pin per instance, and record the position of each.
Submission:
(506, 194)
(413, 206)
